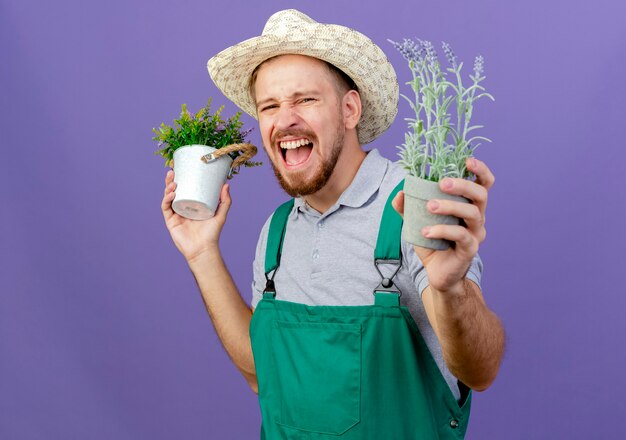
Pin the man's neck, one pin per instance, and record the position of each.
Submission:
(348, 165)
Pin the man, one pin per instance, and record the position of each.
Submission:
(327, 345)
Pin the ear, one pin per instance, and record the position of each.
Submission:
(351, 107)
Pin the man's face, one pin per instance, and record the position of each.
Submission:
(301, 122)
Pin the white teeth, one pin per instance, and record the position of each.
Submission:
(290, 145)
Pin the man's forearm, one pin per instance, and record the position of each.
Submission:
(471, 335)
(229, 313)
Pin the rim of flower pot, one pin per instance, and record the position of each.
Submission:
(425, 189)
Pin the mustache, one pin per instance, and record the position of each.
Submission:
(280, 134)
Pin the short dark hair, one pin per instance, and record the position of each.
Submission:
(343, 82)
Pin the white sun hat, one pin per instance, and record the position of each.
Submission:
(292, 32)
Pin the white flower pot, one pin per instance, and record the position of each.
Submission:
(417, 193)
(198, 184)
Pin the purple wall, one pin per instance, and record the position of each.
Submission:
(103, 334)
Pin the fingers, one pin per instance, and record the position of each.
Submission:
(398, 203)
(476, 191)
(224, 206)
(169, 178)
(468, 212)
(466, 243)
(473, 214)
(465, 188)
(484, 176)
(168, 195)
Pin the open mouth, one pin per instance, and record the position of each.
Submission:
(295, 151)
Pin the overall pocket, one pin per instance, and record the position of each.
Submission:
(318, 375)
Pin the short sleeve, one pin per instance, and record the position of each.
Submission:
(258, 266)
(418, 274)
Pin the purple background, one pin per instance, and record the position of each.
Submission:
(103, 334)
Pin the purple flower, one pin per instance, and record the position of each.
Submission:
(418, 51)
(449, 54)
(410, 50)
(431, 54)
(479, 66)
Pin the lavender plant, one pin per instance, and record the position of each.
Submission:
(436, 146)
(202, 128)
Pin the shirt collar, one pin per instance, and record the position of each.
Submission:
(365, 183)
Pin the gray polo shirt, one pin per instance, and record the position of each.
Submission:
(328, 259)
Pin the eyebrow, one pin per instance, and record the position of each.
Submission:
(295, 95)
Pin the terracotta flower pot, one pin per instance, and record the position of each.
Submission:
(417, 193)
(198, 183)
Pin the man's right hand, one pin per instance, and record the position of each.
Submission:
(193, 237)
(198, 240)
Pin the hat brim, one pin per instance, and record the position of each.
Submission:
(352, 52)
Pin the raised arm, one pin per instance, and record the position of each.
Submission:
(470, 334)
(198, 242)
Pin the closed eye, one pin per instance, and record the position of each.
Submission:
(269, 107)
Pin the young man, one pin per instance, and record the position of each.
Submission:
(335, 354)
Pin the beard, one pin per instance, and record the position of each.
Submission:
(301, 187)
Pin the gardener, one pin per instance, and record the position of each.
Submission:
(355, 333)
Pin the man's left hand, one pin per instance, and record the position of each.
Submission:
(446, 270)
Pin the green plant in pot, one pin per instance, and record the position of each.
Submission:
(440, 138)
(204, 150)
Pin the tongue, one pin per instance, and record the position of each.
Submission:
(298, 155)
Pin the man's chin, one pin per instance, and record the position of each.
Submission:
(310, 179)
(297, 190)
(297, 185)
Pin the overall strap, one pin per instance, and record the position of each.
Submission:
(275, 238)
(388, 251)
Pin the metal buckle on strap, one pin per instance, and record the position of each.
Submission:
(387, 285)
(208, 158)
(269, 286)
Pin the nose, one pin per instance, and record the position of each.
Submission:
(286, 117)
